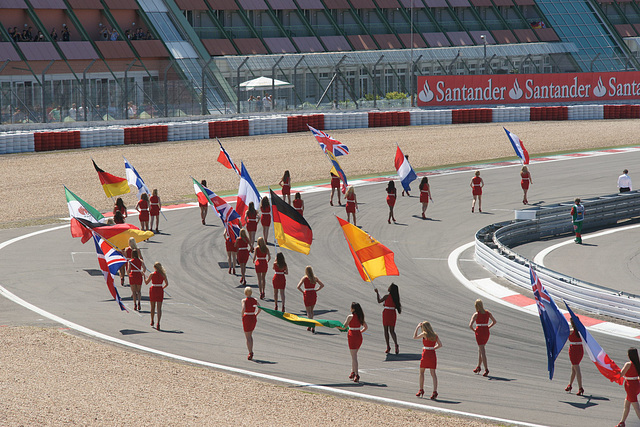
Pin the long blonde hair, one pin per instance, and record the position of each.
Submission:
(160, 269)
(263, 245)
(524, 169)
(428, 331)
(308, 271)
(132, 243)
(479, 306)
(350, 191)
(243, 235)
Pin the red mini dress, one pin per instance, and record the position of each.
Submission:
(297, 205)
(631, 384)
(156, 293)
(265, 217)
(389, 312)
(429, 359)
(123, 210)
(335, 181)
(252, 221)
(310, 296)
(230, 245)
(424, 194)
(143, 205)
(351, 203)
(391, 197)
(279, 279)
(354, 336)
(526, 180)
(243, 250)
(154, 210)
(261, 261)
(482, 328)
(286, 188)
(477, 189)
(575, 348)
(135, 272)
(249, 319)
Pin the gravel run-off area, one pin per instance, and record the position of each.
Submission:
(52, 377)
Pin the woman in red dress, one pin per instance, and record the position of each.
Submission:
(118, 218)
(243, 247)
(285, 183)
(391, 200)
(335, 187)
(265, 217)
(120, 207)
(481, 319)
(356, 324)
(630, 372)
(309, 285)
(128, 253)
(143, 208)
(156, 291)
(251, 221)
(476, 191)
(352, 204)
(261, 258)
(135, 269)
(232, 252)
(298, 204)
(525, 176)
(249, 313)
(575, 356)
(154, 210)
(391, 305)
(430, 343)
(279, 280)
(425, 195)
(204, 207)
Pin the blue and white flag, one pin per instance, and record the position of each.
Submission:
(133, 178)
(405, 171)
(518, 146)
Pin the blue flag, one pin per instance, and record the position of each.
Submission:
(133, 178)
(554, 324)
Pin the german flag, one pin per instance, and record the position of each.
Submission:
(290, 228)
(112, 185)
(116, 235)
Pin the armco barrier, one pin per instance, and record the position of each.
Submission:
(101, 136)
(493, 250)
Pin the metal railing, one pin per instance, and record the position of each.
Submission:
(493, 250)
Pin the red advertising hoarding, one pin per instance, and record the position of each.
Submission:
(498, 89)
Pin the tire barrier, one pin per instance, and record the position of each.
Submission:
(28, 141)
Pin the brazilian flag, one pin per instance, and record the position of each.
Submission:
(303, 321)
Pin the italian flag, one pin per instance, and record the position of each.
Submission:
(78, 208)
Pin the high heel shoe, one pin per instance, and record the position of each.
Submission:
(352, 375)
(388, 350)
(568, 388)
(250, 356)
(420, 393)
(471, 210)
(477, 370)
(434, 395)
(397, 349)
(486, 373)
(580, 392)
(356, 379)
(621, 424)
(389, 221)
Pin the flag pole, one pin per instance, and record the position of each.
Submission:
(275, 243)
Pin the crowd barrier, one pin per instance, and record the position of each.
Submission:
(36, 140)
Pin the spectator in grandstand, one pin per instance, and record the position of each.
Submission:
(29, 34)
(15, 35)
(104, 33)
(12, 32)
(73, 112)
(127, 34)
(66, 35)
(113, 36)
(39, 37)
(54, 114)
(25, 37)
(54, 35)
(132, 110)
(259, 103)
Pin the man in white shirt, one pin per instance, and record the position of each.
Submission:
(624, 182)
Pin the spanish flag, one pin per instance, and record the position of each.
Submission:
(112, 185)
(290, 228)
(116, 235)
(372, 258)
(303, 321)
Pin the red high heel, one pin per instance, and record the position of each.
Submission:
(397, 349)
(388, 350)
(580, 392)
(486, 373)
(352, 375)
(434, 395)
(356, 379)
(420, 393)
(250, 356)
(568, 388)
(621, 424)
(477, 370)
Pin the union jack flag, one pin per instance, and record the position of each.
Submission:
(110, 261)
(229, 217)
(328, 144)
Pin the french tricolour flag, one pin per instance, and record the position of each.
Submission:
(518, 146)
(247, 192)
(405, 171)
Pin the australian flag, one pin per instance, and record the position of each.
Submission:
(554, 324)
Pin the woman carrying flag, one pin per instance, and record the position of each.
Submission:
(261, 258)
(430, 343)
(575, 356)
(265, 217)
(251, 221)
(309, 285)
(525, 181)
(120, 207)
(156, 291)
(481, 319)
(285, 183)
(298, 203)
(154, 210)
(232, 253)
(391, 201)
(136, 269)
(356, 325)
(143, 209)
(352, 204)
(391, 305)
(279, 280)
(249, 314)
(335, 187)
(476, 191)
(630, 372)
(243, 247)
(425, 195)
(203, 206)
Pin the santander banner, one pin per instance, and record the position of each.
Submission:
(527, 88)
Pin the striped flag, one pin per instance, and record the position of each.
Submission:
(372, 258)
(292, 231)
(328, 144)
(518, 146)
(337, 170)
(229, 217)
(133, 178)
(116, 235)
(110, 261)
(247, 192)
(405, 171)
(111, 184)
(225, 159)
(302, 321)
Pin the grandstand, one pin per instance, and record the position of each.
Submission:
(76, 60)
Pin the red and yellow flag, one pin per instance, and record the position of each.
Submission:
(116, 235)
(111, 184)
(373, 259)
(290, 228)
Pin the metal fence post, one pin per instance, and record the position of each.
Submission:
(85, 104)
(166, 90)
(205, 110)
(273, 84)
(238, 85)
(44, 104)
